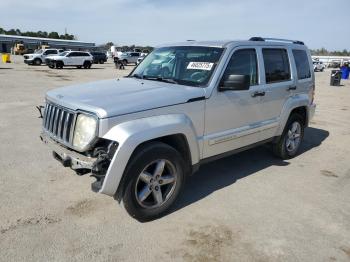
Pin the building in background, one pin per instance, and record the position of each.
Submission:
(26, 44)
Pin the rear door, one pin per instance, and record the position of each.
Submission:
(278, 85)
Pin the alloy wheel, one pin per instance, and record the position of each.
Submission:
(293, 137)
(156, 183)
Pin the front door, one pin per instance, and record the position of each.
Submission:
(233, 118)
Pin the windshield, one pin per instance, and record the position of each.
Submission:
(63, 53)
(185, 65)
(39, 51)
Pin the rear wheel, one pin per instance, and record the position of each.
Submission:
(154, 179)
(289, 142)
(101, 61)
(87, 64)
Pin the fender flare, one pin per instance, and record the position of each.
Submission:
(129, 135)
(300, 100)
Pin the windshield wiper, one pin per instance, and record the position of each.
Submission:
(161, 79)
(137, 76)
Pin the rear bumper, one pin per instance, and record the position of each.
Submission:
(67, 157)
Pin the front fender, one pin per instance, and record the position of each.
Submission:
(300, 100)
(132, 133)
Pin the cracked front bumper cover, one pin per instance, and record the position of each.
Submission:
(67, 157)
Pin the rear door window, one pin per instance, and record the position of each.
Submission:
(302, 64)
(50, 52)
(277, 68)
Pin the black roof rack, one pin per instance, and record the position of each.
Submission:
(258, 38)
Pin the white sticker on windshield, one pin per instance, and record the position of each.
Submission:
(200, 65)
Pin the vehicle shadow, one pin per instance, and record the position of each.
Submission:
(226, 171)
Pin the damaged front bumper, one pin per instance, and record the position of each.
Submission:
(80, 163)
(67, 157)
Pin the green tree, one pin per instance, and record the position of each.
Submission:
(54, 35)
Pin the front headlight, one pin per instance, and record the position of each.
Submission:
(85, 131)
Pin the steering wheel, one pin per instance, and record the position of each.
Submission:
(197, 76)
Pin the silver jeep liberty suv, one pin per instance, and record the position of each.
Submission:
(183, 105)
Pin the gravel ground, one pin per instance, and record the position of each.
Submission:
(248, 207)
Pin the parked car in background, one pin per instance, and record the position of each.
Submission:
(141, 136)
(142, 56)
(128, 58)
(318, 66)
(99, 57)
(39, 56)
(78, 59)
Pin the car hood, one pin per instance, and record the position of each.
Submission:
(116, 97)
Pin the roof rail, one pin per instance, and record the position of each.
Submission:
(257, 38)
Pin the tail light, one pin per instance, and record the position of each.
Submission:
(312, 94)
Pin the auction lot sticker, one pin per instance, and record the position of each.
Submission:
(200, 65)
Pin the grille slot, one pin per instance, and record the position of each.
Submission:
(59, 123)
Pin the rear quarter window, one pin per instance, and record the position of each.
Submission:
(302, 64)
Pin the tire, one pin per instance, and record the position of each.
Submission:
(102, 61)
(51, 65)
(59, 64)
(158, 196)
(284, 147)
(37, 61)
(87, 64)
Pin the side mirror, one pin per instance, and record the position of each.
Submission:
(235, 82)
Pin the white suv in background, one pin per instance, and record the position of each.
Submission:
(39, 56)
(318, 66)
(129, 57)
(70, 58)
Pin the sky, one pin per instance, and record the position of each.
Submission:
(321, 23)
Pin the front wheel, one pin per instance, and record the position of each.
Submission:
(37, 61)
(289, 142)
(154, 178)
(59, 64)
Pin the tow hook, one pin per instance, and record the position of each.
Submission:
(40, 110)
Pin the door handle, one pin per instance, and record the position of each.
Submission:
(258, 93)
(291, 88)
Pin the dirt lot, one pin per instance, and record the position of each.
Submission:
(248, 207)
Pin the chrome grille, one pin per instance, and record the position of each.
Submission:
(59, 123)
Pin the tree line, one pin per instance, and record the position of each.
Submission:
(125, 48)
(325, 52)
(43, 34)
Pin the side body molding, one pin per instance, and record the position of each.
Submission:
(132, 133)
(292, 102)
